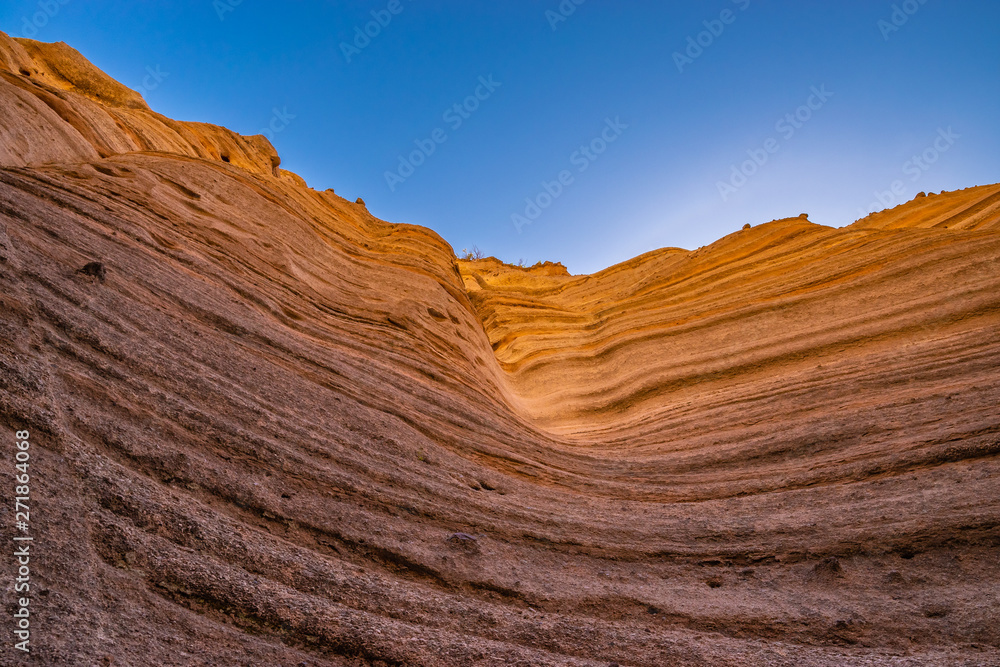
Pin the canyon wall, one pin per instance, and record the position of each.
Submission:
(281, 431)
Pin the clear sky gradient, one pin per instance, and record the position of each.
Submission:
(619, 120)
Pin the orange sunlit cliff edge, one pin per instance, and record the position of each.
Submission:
(282, 431)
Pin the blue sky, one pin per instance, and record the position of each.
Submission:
(642, 109)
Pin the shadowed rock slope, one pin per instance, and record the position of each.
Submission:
(281, 431)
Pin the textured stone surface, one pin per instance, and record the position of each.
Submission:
(282, 431)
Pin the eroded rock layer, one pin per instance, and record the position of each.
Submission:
(281, 431)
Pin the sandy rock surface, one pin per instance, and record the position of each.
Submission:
(275, 430)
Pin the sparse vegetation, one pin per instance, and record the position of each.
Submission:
(472, 255)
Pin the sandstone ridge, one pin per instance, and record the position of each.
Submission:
(269, 428)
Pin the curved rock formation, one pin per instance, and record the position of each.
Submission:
(281, 431)
(59, 108)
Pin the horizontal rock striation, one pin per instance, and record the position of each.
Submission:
(58, 107)
(281, 431)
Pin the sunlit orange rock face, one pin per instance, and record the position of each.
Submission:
(281, 431)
